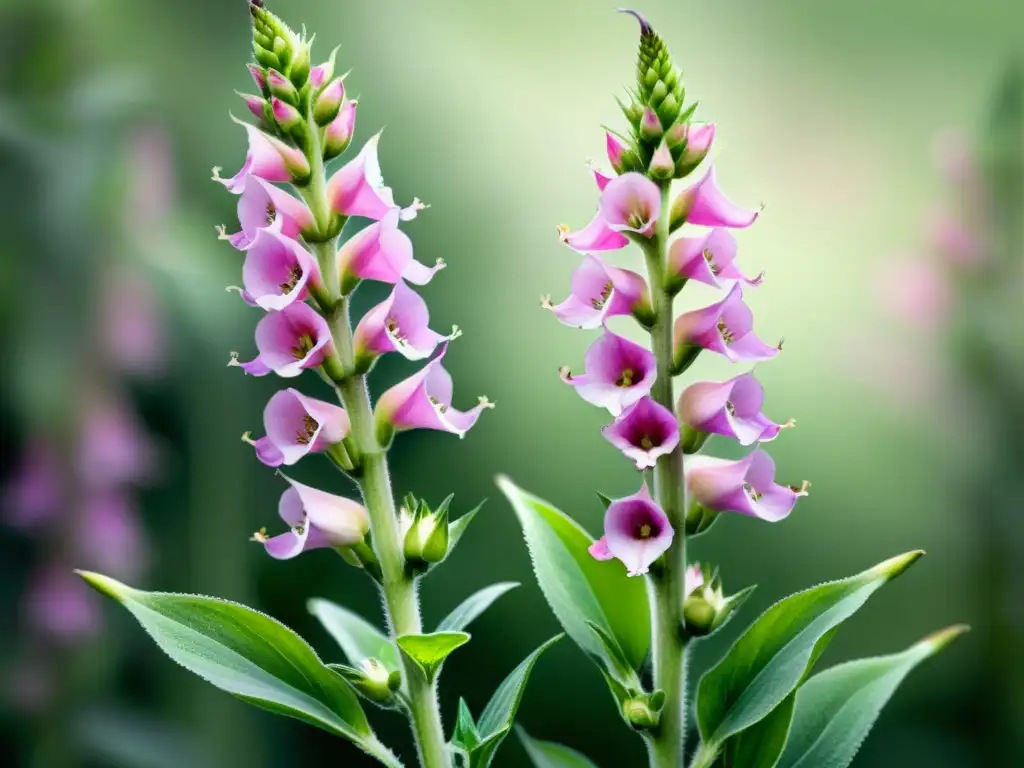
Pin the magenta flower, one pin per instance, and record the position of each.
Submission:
(261, 205)
(424, 401)
(616, 151)
(596, 236)
(636, 532)
(618, 373)
(706, 205)
(643, 432)
(289, 341)
(725, 328)
(268, 158)
(600, 291)
(357, 189)
(397, 324)
(708, 259)
(278, 271)
(600, 177)
(746, 486)
(731, 408)
(317, 519)
(382, 252)
(297, 425)
(631, 203)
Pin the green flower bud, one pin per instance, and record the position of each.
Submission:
(706, 609)
(693, 439)
(273, 41)
(298, 72)
(699, 519)
(426, 541)
(650, 126)
(281, 87)
(668, 110)
(643, 710)
(373, 680)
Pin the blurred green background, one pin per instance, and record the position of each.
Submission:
(825, 112)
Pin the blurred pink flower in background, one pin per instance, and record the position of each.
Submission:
(113, 448)
(59, 606)
(31, 498)
(110, 536)
(131, 328)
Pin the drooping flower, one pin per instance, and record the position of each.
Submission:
(706, 205)
(268, 158)
(636, 531)
(261, 205)
(643, 432)
(357, 188)
(709, 259)
(631, 203)
(731, 408)
(278, 271)
(618, 373)
(289, 341)
(382, 252)
(424, 401)
(600, 291)
(725, 328)
(297, 425)
(746, 486)
(400, 324)
(317, 520)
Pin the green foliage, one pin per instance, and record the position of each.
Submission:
(430, 651)
(583, 592)
(773, 656)
(247, 654)
(836, 709)
(480, 740)
(358, 638)
(474, 605)
(549, 754)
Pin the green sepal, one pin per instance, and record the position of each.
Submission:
(429, 651)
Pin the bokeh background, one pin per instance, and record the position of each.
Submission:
(121, 424)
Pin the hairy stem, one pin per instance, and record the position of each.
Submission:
(704, 757)
(666, 744)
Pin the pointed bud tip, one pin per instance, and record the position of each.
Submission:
(939, 640)
(645, 27)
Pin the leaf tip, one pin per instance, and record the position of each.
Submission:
(894, 566)
(939, 640)
(105, 585)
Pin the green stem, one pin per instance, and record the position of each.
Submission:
(704, 757)
(399, 588)
(666, 744)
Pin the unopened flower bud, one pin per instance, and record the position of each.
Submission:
(338, 134)
(699, 519)
(281, 87)
(706, 608)
(259, 77)
(643, 711)
(255, 104)
(285, 115)
(328, 103)
(634, 113)
(271, 38)
(662, 167)
(426, 541)
(650, 126)
(298, 72)
(373, 680)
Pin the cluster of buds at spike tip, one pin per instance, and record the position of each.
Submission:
(427, 533)
(300, 277)
(619, 374)
(706, 608)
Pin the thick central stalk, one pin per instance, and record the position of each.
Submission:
(667, 585)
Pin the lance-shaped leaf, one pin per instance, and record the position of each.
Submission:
(770, 659)
(470, 608)
(358, 638)
(836, 708)
(249, 655)
(549, 754)
(458, 527)
(430, 651)
(582, 591)
(481, 740)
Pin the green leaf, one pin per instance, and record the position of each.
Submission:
(470, 608)
(606, 500)
(580, 589)
(614, 653)
(549, 754)
(430, 651)
(761, 745)
(500, 712)
(770, 659)
(247, 654)
(358, 638)
(457, 528)
(466, 736)
(836, 708)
